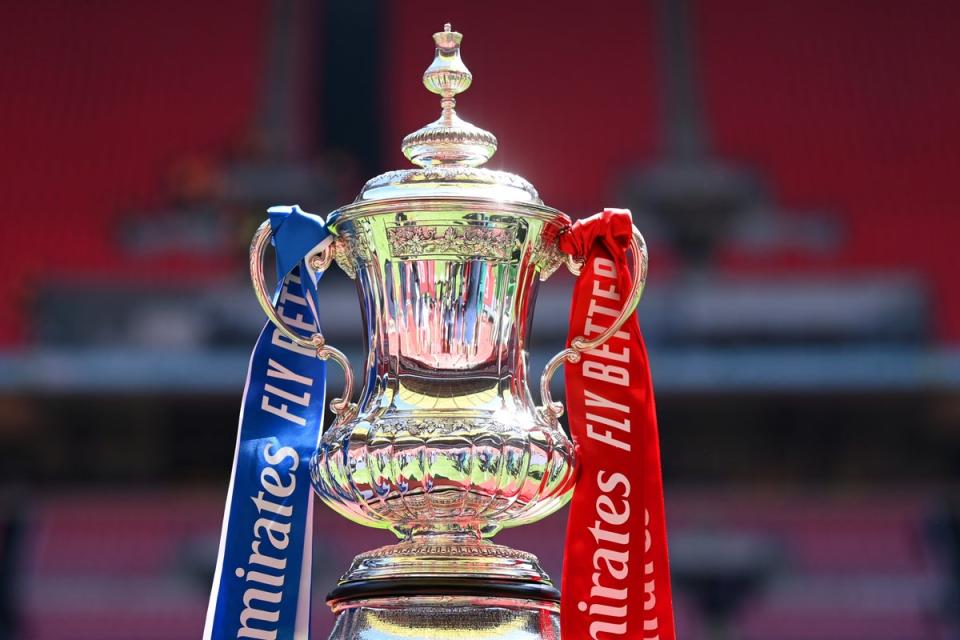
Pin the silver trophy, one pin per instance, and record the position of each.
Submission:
(446, 445)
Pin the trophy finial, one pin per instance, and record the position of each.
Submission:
(447, 76)
(449, 140)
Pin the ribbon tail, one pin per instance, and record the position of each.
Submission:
(616, 577)
(261, 585)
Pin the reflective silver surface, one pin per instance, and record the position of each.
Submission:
(448, 618)
(446, 445)
(447, 437)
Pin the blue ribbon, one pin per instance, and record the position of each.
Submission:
(261, 588)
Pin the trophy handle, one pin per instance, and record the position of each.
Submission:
(341, 407)
(552, 410)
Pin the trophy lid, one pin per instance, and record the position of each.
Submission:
(449, 151)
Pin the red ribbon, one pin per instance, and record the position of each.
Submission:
(616, 574)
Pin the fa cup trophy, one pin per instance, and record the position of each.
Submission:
(446, 444)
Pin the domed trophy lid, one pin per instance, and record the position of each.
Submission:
(449, 151)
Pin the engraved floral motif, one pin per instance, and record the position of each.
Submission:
(351, 247)
(549, 258)
(492, 243)
(344, 257)
(430, 426)
(453, 550)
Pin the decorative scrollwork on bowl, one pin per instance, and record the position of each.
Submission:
(548, 258)
(473, 241)
(417, 474)
(352, 248)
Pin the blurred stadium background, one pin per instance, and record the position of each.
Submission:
(793, 165)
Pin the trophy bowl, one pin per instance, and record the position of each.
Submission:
(446, 445)
(447, 440)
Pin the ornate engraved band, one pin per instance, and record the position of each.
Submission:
(419, 240)
(453, 550)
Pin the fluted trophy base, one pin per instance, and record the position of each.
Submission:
(445, 587)
(448, 618)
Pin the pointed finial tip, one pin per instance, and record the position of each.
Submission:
(449, 140)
